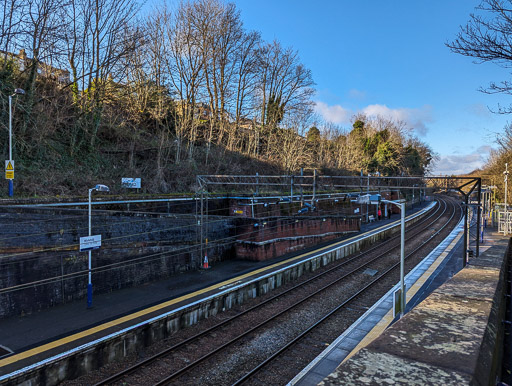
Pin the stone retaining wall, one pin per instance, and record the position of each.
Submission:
(41, 246)
(454, 337)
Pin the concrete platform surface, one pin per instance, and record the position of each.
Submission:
(432, 271)
(453, 337)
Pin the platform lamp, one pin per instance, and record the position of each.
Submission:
(401, 205)
(17, 91)
(98, 188)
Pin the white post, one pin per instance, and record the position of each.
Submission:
(11, 183)
(402, 257)
(89, 284)
(10, 127)
(402, 206)
(368, 194)
(507, 231)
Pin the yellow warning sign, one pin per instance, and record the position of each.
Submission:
(9, 169)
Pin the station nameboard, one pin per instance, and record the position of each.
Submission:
(90, 242)
(132, 183)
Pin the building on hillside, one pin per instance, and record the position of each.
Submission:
(45, 70)
(201, 110)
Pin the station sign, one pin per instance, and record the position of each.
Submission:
(363, 199)
(375, 199)
(90, 242)
(9, 169)
(131, 183)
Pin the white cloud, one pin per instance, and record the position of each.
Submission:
(416, 119)
(334, 114)
(461, 164)
(484, 149)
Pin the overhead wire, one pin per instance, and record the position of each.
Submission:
(158, 255)
(67, 246)
(97, 269)
(136, 260)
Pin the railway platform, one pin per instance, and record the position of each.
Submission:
(452, 332)
(32, 341)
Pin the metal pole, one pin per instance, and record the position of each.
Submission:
(465, 249)
(11, 184)
(368, 193)
(202, 221)
(314, 189)
(478, 218)
(402, 258)
(89, 284)
(360, 194)
(301, 190)
(506, 189)
(506, 178)
(206, 229)
(291, 189)
(403, 296)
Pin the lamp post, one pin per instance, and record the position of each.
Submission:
(401, 205)
(17, 91)
(98, 188)
(506, 189)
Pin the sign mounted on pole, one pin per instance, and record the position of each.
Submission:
(90, 242)
(9, 169)
(133, 183)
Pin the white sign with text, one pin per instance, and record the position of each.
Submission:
(90, 242)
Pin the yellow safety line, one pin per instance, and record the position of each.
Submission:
(379, 328)
(113, 323)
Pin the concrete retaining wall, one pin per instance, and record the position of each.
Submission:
(133, 340)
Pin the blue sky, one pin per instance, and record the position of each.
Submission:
(389, 58)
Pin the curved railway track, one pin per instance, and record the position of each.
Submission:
(285, 331)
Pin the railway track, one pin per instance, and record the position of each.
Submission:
(287, 330)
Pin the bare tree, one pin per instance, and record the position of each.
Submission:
(12, 12)
(184, 69)
(285, 86)
(487, 38)
(99, 36)
(246, 72)
(219, 32)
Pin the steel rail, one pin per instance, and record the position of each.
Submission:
(167, 351)
(337, 308)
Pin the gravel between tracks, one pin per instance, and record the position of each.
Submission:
(228, 366)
